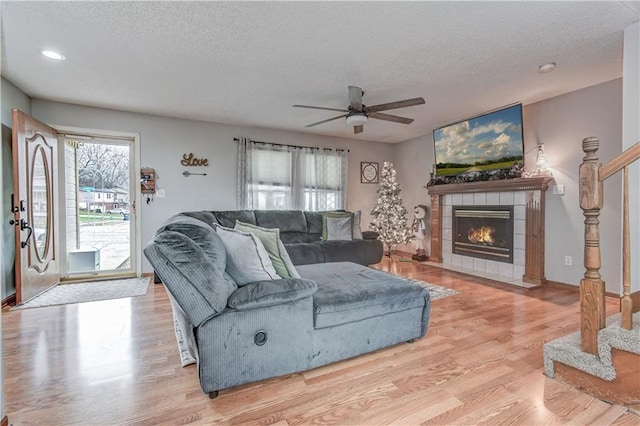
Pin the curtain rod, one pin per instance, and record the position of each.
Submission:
(292, 146)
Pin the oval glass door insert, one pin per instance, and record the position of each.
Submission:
(40, 185)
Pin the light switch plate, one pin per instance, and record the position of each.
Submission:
(558, 189)
(160, 193)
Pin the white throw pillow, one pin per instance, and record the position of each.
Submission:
(339, 228)
(270, 238)
(357, 232)
(247, 259)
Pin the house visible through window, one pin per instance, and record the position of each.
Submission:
(275, 177)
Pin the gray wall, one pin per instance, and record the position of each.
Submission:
(12, 97)
(631, 136)
(164, 141)
(560, 123)
(414, 160)
(8, 235)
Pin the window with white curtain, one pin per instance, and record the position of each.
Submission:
(283, 177)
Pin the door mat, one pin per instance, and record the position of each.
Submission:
(63, 294)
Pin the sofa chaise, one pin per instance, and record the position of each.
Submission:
(244, 332)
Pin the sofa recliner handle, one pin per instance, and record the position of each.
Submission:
(260, 338)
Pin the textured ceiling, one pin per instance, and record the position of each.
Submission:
(246, 63)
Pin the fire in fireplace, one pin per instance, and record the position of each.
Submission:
(485, 232)
(482, 235)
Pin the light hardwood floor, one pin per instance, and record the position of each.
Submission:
(116, 362)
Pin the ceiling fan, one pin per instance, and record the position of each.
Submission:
(357, 113)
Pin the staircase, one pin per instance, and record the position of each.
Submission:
(612, 375)
(603, 358)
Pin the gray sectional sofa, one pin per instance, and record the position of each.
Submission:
(301, 232)
(269, 328)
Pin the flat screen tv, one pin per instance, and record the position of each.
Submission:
(486, 143)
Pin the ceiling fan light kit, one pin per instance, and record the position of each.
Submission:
(357, 119)
(357, 114)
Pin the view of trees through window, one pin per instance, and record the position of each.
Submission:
(103, 177)
(102, 166)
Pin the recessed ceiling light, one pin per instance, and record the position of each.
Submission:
(548, 67)
(53, 55)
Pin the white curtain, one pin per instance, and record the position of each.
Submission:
(244, 173)
(281, 177)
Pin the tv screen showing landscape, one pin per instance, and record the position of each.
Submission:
(485, 143)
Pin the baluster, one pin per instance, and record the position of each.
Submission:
(626, 304)
(592, 302)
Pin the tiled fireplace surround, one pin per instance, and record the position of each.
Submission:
(527, 198)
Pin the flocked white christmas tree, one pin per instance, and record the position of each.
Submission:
(389, 215)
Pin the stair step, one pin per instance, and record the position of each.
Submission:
(613, 375)
(624, 390)
(567, 350)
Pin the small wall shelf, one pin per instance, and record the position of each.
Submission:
(148, 180)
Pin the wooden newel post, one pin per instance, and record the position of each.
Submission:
(592, 302)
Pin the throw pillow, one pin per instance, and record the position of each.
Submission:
(337, 226)
(287, 260)
(270, 238)
(357, 231)
(334, 215)
(247, 259)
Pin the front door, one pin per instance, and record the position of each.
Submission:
(99, 200)
(35, 198)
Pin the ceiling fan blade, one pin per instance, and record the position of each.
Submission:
(324, 121)
(358, 129)
(317, 107)
(395, 105)
(355, 98)
(389, 117)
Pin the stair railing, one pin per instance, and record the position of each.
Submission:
(592, 287)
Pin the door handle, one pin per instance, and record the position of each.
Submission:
(25, 225)
(14, 208)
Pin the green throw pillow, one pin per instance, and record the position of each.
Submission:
(337, 226)
(270, 239)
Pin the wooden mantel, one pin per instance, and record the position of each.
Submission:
(524, 184)
(534, 240)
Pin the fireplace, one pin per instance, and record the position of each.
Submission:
(485, 232)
